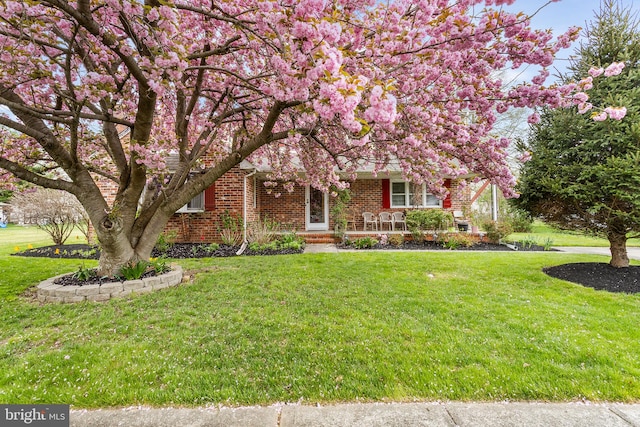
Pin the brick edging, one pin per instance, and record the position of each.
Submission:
(48, 292)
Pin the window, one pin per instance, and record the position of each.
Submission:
(195, 205)
(406, 195)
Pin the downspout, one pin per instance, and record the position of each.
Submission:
(244, 213)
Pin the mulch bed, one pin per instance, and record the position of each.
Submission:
(178, 250)
(599, 276)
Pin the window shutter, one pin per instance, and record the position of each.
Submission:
(210, 198)
(386, 194)
(446, 203)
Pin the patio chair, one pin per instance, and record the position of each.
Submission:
(385, 218)
(352, 219)
(370, 218)
(398, 218)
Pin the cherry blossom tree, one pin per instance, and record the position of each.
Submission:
(319, 84)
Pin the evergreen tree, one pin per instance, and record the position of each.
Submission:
(584, 173)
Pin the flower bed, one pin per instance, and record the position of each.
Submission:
(49, 291)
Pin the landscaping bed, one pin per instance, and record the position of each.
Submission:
(177, 250)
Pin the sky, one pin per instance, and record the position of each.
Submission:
(560, 16)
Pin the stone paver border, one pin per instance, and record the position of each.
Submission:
(49, 292)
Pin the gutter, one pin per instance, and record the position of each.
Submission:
(245, 243)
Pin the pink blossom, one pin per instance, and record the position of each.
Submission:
(533, 118)
(581, 97)
(616, 113)
(599, 117)
(614, 69)
(524, 157)
(584, 107)
(595, 72)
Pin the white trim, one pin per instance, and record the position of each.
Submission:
(316, 226)
(200, 201)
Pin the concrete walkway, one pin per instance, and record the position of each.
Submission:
(632, 252)
(372, 415)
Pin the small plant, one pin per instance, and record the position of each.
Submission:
(364, 243)
(529, 242)
(159, 265)
(456, 240)
(166, 240)
(339, 210)
(396, 240)
(290, 241)
(195, 250)
(261, 247)
(212, 247)
(133, 271)
(383, 239)
(231, 230)
(84, 274)
(547, 244)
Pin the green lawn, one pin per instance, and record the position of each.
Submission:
(325, 328)
(542, 232)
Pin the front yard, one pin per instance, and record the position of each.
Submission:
(323, 328)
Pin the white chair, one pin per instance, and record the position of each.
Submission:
(398, 218)
(385, 218)
(370, 218)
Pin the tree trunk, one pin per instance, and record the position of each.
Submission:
(618, 246)
(119, 248)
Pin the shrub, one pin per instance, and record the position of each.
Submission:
(423, 220)
(519, 220)
(364, 243)
(262, 231)
(396, 239)
(496, 230)
(290, 241)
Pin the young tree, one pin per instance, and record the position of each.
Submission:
(54, 211)
(584, 173)
(325, 84)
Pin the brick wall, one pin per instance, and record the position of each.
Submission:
(205, 226)
(288, 209)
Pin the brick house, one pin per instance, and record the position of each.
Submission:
(241, 193)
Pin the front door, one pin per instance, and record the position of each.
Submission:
(317, 209)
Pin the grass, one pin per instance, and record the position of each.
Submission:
(543, 232)
(366, 326)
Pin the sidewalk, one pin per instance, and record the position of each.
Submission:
(373, 415)
(632, 252)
